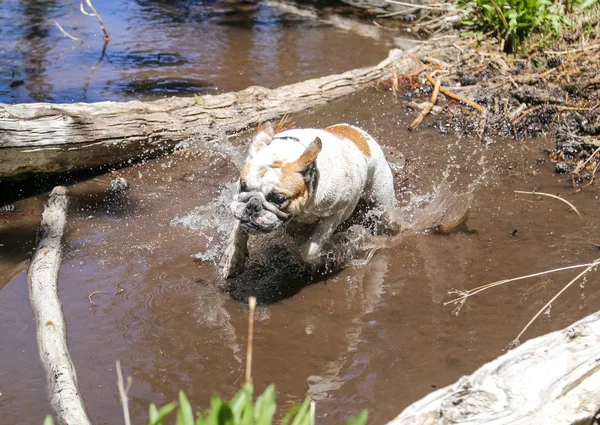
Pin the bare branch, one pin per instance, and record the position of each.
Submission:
(94, 13)
(65, 33)
(123, 393)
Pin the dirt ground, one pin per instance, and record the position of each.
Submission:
(551, 90)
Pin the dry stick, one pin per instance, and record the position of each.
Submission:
(94, 293)
(427, 109)
(392, 14)
(422, 6)
(590, 158)
(454, 95)
(65, 33)
(470, 292)
(573, 108)
(123, 393)
(551, 196)
(568, 52)
(515, 342)
(500, 14)
(252, 305)
(94, 13)
(42, 281)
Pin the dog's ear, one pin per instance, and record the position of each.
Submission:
(309, 156)
(262, 138)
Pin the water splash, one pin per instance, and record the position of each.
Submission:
(212, 222)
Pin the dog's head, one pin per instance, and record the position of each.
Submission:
(276, 183)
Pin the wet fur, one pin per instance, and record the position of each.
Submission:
(322, 173)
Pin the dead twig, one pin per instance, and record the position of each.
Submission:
(94, 13)
(465, 294)
(65, 33)
(435, 6)
(454, 96)
(568, 52)
(94, 293)
(590, 158)
(527, 112)
(427, 109)
(123, 392)
(550, 196)
(591, 266)
(252, 305)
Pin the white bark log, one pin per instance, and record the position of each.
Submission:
(553, 379)
(43, 137)
(42, 279)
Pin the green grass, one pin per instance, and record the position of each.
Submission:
(241, 410)
(514, 20)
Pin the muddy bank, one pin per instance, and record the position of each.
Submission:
(374, 335)
(550, 91)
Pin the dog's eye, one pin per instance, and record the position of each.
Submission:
(276, 198)
(243, 186)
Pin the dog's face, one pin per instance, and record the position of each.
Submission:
(275, 184)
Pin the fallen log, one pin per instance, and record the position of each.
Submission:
(57, 138)
(42, 280)
(553, 379)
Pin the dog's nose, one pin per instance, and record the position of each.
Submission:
(254, 205)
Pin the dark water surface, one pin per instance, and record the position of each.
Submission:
(375, 336)
(164, 48)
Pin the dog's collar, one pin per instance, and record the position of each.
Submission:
(292, 138)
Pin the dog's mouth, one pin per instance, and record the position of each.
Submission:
(256, 214)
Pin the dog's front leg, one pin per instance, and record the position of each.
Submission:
(311, 249)
(234, 257)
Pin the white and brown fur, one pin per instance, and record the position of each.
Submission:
(310, 176)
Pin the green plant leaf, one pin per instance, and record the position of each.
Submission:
(162, 413)
(202, 419)
(303, 415)
(153, 413)
(359, 419)
(265, 406)
(179, 415)
(215, 406)
(48, 420)
(225, 415)
(288, 417)
(186, 409)
(239, 402)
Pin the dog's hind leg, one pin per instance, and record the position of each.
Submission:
(382, 195)
(234, 257)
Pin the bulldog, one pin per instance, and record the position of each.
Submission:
(311, 176)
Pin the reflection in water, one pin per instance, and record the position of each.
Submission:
(161, 48)
(35, 46)
(367, 287)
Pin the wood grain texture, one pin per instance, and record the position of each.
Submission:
(42, 280)
(55, 138)
(553, 379)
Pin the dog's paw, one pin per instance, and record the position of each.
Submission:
(232, 261)
(389, 226)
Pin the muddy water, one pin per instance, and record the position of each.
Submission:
(162, 48)
(373, 336)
